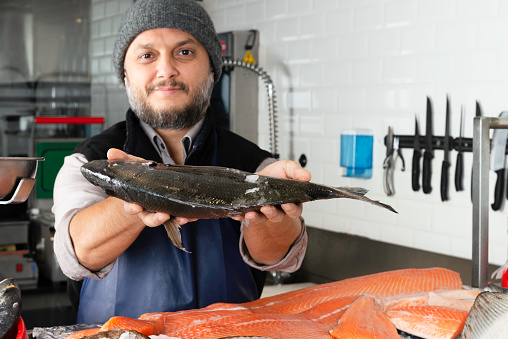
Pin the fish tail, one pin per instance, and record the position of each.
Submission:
(174, 234)
(358, 193)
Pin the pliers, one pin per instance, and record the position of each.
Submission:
(393, 151)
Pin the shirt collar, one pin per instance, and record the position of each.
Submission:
(186, 142)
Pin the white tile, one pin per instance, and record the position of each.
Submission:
(366, 229)
(400, 13)
(337, 73)
(288, 29)
(336, 223)
(468, 9)
(276, 8)
(299, 7)
(351, 99)
(396, 235)
(311, 124)
(478, 65)
(353, 45)
(324, 5)
(325, 48)
(368, 17)
(311, 75)
(111, 8)
(435, 68)
(454, 36)
(488, 31)
(399, 69)
(418, 39)
(436, 10)
(384, 42)
(299, 51)
(255, 12)
(431, 242)
(324, 100)
(235, 15)
(367, 71)
(381, 98)
(408, 209)
(312, 25)
(339, 21)
(299, 99)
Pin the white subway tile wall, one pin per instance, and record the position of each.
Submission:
(339, 64)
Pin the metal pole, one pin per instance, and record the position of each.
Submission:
(481, 161)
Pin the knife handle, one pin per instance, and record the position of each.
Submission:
(427, 172)
(444, 180)
(459, 167)
(415, 171)
(498, 191)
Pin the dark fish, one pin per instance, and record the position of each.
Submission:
(488, 317)
(10, 306)
(204, 192)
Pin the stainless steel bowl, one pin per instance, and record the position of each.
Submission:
(17, 177)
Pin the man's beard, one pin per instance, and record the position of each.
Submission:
(176, 118)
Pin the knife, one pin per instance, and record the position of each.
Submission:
(459, 165)
(417, 154)
(429, 152)
(478, 113)
(445, 167)
(498, 160)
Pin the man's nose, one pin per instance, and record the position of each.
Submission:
(166, 67)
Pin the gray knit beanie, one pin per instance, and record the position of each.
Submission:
(185, 15)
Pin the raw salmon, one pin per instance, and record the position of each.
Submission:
(83, 333)
(431, 322)
(462, 299)
(385, 284)
(365, 318)
(321, 311)
(154, 325)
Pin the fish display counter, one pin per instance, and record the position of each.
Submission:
(406, 303)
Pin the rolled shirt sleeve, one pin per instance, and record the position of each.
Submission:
(73, 193)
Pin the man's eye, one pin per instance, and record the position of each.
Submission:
(186, 52)
(145, 56)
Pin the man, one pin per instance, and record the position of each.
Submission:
(168, 56)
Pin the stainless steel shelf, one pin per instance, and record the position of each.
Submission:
(481, 165)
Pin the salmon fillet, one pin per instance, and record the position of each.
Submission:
(431, 322)
(365, 318)
(385, 284)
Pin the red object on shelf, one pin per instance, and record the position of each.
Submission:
(504, 281)
(69, 120)
(18, 331)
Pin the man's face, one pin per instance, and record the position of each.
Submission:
(168, 78)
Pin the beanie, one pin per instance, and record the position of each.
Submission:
(185, 15)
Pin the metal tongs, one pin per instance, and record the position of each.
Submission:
(392, 152)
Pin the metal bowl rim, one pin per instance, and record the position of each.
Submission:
(22, 158)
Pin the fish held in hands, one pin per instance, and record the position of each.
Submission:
(204, 192)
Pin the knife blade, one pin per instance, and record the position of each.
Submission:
(417, 154)
(478, 113)
(445, 166)
(429, 152)
(498, 163)
(459, 165)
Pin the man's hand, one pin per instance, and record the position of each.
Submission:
(149, 218)
(284, 169)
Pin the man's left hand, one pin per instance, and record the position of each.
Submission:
(285, 169)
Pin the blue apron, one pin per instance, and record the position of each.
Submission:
(152, 275)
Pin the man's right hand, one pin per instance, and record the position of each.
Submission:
(150, 219)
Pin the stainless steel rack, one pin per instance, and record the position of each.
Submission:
(481, 165)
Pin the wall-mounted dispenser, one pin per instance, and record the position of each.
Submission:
(356, 152)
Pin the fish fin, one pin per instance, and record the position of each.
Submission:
(358, 193)
(174, 234)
